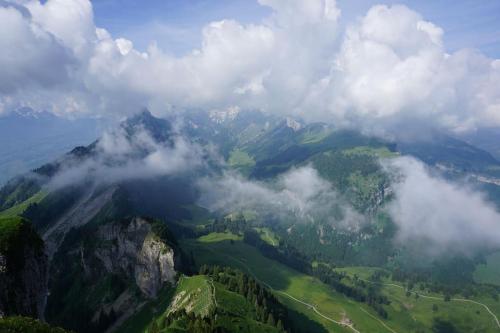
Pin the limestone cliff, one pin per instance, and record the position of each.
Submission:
(105, 270)
(135, 250)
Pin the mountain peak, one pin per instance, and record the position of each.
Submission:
(293, 124)
(159, 128)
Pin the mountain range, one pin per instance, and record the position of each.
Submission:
(239, 221)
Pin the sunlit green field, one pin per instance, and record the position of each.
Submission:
(218, 237)
(406, 314)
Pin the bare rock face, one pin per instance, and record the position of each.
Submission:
(136, 251)
(154, 266)
(105, 270)
(23, 272)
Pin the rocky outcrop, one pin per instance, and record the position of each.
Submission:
(106, 270)
(136, 250)
(23, 270)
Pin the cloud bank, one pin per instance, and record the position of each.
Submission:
(390, 66)
(297, 195)
(448, 216)
(437, 215)
(120, 156)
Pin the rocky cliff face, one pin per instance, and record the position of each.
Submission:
(105, 270)
(138, 252)
(23, 270)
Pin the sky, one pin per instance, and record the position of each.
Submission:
(176, 24)
(375, 67)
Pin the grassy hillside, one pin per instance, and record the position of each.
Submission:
(200, 301)
(195, 294)
(302, 292)
(19, 208)
(16, 191)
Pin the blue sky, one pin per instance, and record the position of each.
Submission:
(176, 24)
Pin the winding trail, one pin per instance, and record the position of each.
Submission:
(213, 287)
(440, 298)
(311, 306)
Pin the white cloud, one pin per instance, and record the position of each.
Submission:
(31, 58)
(449, 216)
(299, 194)
(120, 156)
(393, 68)
(390, 67)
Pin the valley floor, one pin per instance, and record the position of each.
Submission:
(334, 311)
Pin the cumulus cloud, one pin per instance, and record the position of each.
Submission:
(119, 156)
(299, 194)
(31, 58)
(393, 68)
(389, 67)
(448, 216)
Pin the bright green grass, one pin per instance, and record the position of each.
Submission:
(194, 294)
(239, 158)
(238, 312)
(282, 278)
(199, 294)
(405, 314)
(411, 313)
(268, 236)
(489, 272)
(381, 152)
(21, 207)
(219, 236)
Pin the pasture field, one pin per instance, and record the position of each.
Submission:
(306, 294)
(219, 237)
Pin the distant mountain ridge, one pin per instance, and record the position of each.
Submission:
(30, 139)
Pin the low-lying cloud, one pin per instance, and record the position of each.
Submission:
(447, 216)
(390, 66)
(119, 156)
(297, 195)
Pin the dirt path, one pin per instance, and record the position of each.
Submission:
(213, 288)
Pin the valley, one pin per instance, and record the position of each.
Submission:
(313, 298)
(288, 227)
